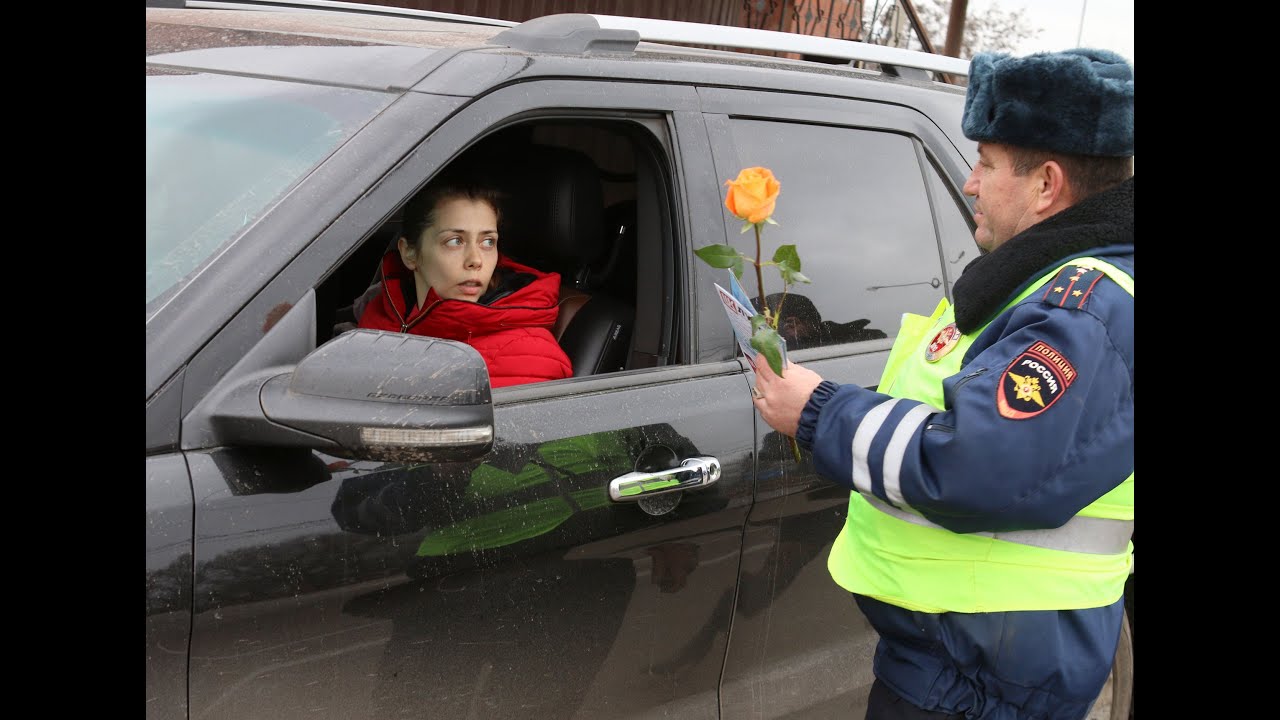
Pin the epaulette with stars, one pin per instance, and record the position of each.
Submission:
(1071, 288)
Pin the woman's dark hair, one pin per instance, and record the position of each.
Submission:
(420, 211)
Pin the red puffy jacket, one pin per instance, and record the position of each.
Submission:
(512, 333)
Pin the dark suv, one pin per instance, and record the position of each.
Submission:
(352, 524)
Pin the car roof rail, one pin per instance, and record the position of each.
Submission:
(334, 5)
(576, 33)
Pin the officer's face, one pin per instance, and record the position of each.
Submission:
(1003, 200)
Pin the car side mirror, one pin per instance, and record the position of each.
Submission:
(371, 395)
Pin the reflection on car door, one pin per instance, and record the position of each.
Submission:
(510, 588)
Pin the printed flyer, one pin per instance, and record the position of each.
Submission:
(740, 310)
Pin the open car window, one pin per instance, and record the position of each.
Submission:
(570, 192)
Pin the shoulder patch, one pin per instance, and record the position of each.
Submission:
(1071, 287)
(1033, 382)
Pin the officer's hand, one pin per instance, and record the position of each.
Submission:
(780, 400)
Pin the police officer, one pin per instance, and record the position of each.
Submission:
(989, 530)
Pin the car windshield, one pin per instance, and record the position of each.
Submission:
(221, 150)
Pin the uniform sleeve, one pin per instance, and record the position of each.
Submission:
(1036, 426)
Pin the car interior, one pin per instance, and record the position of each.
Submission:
(573, 193)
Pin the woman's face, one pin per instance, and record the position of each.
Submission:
(457, 252)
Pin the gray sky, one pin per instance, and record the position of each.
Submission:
(1108, 24)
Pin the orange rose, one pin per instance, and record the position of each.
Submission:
(752, 196)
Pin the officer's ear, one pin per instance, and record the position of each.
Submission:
(1053, 191)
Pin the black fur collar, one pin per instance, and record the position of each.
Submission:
(991, 280)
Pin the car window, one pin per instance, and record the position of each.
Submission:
(954, 226)
(855, 205)
(220, 150)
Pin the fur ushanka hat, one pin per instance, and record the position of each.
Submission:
(1075, 101)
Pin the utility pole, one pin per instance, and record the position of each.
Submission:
(955, 28)
(914, 18)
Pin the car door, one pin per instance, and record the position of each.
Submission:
(869, 196)
(508, 587)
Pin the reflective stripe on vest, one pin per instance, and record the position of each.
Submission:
(1096, 536)
(896, 555)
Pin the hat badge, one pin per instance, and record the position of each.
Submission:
(942, 343)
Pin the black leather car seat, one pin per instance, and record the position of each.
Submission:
(553, 221)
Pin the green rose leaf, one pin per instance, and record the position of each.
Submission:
(721, 256)
(767, 342)
(788, 262)
(786, 256)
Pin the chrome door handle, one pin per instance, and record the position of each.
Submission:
(696, 472)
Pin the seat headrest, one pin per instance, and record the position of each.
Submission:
(552, 213)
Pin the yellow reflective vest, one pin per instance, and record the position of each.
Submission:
(899, 557)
